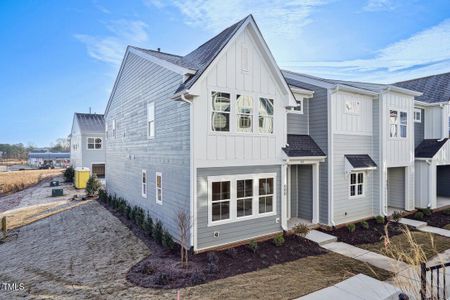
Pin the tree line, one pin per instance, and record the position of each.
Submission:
(20, 151)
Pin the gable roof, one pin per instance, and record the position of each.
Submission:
(435, 88)
(302, 145)
(429, 147)
(90, 123)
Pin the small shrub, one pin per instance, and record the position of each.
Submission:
(102, 195)
(447, 212)
(109, 200)
(396, 216)
(167, 240)
(93, 186)
(133, 213)
(301, 229)
(198, 278)
(379, 219)
(69, 174)
(231, 252)
(139, 217)
(253, 245)
(148, 224)
(128, 211)
(351, 227)
(158, 232)
(162, 279)
(278, 240)
(212, 268)
(364, 225)
(213, 258)
(418, 215)
(426, 211)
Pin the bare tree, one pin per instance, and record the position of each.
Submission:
(184, 225)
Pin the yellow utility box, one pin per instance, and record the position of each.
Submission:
(81, 177)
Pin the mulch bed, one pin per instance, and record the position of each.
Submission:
(436, 219)
(163, 269)
(373, 234)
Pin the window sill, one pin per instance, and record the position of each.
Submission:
(159, 202)
(240, 219)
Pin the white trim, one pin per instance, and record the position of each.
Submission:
(98, 163)
(144, 195)
(151, 118)
(303, 92)
(398, 124)
(233, 200)
(397, 89)
(356, 184)
(345, 88)
(417, 110)
(94, 137)
(160, 202)
(316, 193)
(330, 160)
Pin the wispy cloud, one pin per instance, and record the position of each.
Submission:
(424, 52)
(110, 48)
(282, 17)
(380, 5)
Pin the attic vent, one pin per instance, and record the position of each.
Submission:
(244, 58)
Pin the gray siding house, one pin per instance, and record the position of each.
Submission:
(87, 143)
(432, 152)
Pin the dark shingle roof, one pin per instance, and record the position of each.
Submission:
(302, 145)
(429, 147)
(360, 161)
(90, 122)
(435, 88)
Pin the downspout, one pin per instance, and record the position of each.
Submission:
(430, 183)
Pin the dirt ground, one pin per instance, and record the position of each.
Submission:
(18, 180)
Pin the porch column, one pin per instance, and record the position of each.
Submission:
(315, 188)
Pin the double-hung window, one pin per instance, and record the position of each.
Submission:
(144, 184)
(398, 123)
(114, 128)
(244, 197)
(244, 111)
(158, 183)
(94, 143)
(265, 121)
(151, 120)
(356, 184)
(417, 115)
(265, 195)
(221, 192)
(220, 115)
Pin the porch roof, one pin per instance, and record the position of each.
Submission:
(302, 145)
(359, 162)
(429, 147)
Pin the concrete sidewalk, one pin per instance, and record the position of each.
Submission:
(423, 226)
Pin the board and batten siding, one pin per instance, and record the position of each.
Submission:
(140, 83)
(352, 123)
(298, 123)
(226, 74)
(240, 230)
(419, 130)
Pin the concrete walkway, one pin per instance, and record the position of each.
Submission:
(422, 226)
(357, 287)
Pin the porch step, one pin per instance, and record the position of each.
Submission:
(320, 237)
(413, 223)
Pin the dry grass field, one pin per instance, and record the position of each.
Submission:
(19, 180)
(11, 162)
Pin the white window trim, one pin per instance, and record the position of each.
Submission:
(144, 195)
(94, 149)
(251, 115)
(150, 118)
(160, 202)
(356, 196)
(291, 109)
(399, 111)
(417, 110)
(114, 131)
(233, 197)
(233, 116)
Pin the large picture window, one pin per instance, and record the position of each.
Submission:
(221, 192)
(356, 184)
(244, 111)
(94, 143)
(398, 123)
(221, 107)
(265, 195)
(265, 120)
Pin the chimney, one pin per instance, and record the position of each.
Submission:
(159, 49)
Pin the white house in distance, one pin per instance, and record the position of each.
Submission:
(87, 139)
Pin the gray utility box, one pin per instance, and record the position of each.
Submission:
(54, 183)
(57, 192)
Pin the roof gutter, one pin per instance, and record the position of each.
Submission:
(346, 88)
(426, 104)
(393, 88)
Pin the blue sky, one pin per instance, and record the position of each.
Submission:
(59, 57)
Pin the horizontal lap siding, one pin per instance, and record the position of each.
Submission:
(92, 156)
(131, 151)
(419, 130)
(237, 231)
(298, 123)
(348, 209)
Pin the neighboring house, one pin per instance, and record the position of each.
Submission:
(366, 130)
(87, 143)
(55, 159)
(432, 153)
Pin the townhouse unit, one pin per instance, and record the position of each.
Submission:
(247, 151)
(87, 137)
(432, 153)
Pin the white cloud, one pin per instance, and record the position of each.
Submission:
(380, 5)
(110, 49)
(281, 17)
(426, 51)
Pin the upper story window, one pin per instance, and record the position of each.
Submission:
(244, 111)
(114, 128)
(144, 184)
(356, 184)
(94, 143)
(221, 107)
(265, 120)
(398, 122)
(417, 115)
(159, 196)
(296, 109)
(352, 106)
(151, 120)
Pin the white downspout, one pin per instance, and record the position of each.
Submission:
(444, 122)
(430, 182)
